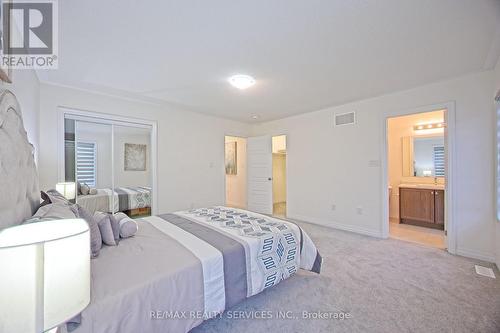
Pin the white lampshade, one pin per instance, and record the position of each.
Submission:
(68, 190)
(44, 274)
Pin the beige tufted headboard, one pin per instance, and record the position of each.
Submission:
(19, 193)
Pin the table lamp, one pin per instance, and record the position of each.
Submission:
(45, 274)
(68, 190)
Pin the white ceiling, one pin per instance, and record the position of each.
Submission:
(304, 54)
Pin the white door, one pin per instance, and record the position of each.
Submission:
(260, 172)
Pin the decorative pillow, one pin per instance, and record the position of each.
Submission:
(104, 223)
(59, 211)
(45, 199)
(56, 197)
(95, 233)
(115, 225)
(93, 191)
(84, 189)
(128, 227)
(55, 211)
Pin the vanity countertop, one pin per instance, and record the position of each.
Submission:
(424, 186)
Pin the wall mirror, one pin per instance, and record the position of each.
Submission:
(423, 156)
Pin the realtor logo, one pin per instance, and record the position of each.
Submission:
(29, 34)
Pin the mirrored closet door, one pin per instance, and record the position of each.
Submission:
(109, 164)
(132, 171)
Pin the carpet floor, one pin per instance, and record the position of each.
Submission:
(378, 286)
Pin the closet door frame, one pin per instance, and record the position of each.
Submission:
(103, 118)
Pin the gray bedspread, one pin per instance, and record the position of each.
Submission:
(182, 268)
(147, 273)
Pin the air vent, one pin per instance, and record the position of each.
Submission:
(345, 118)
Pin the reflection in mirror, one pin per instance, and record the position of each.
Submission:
(93, 161)
(423, 156)
(132, 170)
(69, 150)
(110, 164)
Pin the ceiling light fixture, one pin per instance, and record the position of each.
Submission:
(241, 81)
(255, 117)
(429, 126)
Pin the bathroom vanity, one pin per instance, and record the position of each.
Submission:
(422, 205)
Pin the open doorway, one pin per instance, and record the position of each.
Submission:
(279, 175)
(235, 157)
(417, 176)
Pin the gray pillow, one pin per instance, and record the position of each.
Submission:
(59, 211)
(84, 189)
(56, 211)
(128, 227)
(95, 233)
(56, 197)
(104, 222)
(115, 225)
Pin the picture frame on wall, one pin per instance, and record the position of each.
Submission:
(135, 157)
(5, 71)
(231, 159)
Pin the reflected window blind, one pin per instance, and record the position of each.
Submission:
(86, 163)
(439, 161)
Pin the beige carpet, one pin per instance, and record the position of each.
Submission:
(384, 285)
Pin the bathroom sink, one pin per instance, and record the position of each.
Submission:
(424, 186)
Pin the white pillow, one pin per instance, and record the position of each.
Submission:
(128, 227)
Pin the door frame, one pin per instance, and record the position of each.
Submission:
(286, 171)
(224, 165)
(451, 228)
(105, 118)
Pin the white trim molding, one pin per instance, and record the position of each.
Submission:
(475, 254)
(335, 225)
(450, 208)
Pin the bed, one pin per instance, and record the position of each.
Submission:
(179, 269)
(122, 199)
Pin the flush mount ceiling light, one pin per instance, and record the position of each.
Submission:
(241, 81)
(255, 117)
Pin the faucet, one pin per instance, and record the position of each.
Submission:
(435, 180)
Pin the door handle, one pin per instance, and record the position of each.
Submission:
(269, 178)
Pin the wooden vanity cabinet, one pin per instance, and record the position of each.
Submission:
(422, 207)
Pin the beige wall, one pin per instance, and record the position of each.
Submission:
(340, 166)
(279, 178)
(236, 185)
(397, 128)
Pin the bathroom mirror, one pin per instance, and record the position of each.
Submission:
(423, 156)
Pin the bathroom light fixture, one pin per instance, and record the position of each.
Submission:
(429, 126)
(241, 81)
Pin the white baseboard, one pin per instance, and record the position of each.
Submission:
(377, 233)
(336, 225)
(475, 254)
